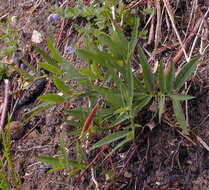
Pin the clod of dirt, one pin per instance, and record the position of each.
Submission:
(16, 129)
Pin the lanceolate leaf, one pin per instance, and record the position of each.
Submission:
(186, 72)
(121, 118)
(138, 85)
(110, 138)
(64, 152)
(181, 97)
(161, 107)
(60, 84)
(147, 72)
(56, 162)
(161, 78)
(119, 38)
(46, 56)
(130, 81)
(52, 98)
(170, 77)
(180, 115)
(49, 160)
(56, 54)
(51, 68)
(134, 35)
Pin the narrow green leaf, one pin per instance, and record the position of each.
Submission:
(147, 72)
(56, 169)
(38, 107)
(64, 153)
(186, 72)
(88, 73)
(49, 160)
(57, 162)
(140, 96)
(52, 98)
(110, 138)
(73, 172)
(121, 118)
(56, 54)
(81, 152)
(180, 115)
(37, 112)
(134, 35)
(46, 56)
(169, 78)
(161, 78)
(181, 97)
(50, 68)
(120, 38)
(60, 84)
(130, 82)
(117, 147)
(138, 85)
(161, 107)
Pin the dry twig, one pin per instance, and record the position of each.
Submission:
(5, 105)
(168, 8)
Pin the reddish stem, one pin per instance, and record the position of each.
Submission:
(91, 163)
(61, 32)
(113, 168)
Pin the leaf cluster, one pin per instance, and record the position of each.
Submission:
(109, 57)
(4, 183)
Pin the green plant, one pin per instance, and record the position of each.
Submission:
(127, 95)
(9, 35)
(4, 184)
(4, 71)
(10, 38)
(62, 161)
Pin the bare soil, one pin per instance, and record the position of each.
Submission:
(164, 160)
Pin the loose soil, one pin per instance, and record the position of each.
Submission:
(164, 160)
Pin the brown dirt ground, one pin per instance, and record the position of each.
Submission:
(165, 160)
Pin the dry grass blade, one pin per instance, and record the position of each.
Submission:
(188, 41)
(198, 33)
(133, 4)
(168, 8)
(159, 24)
(203, 143)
